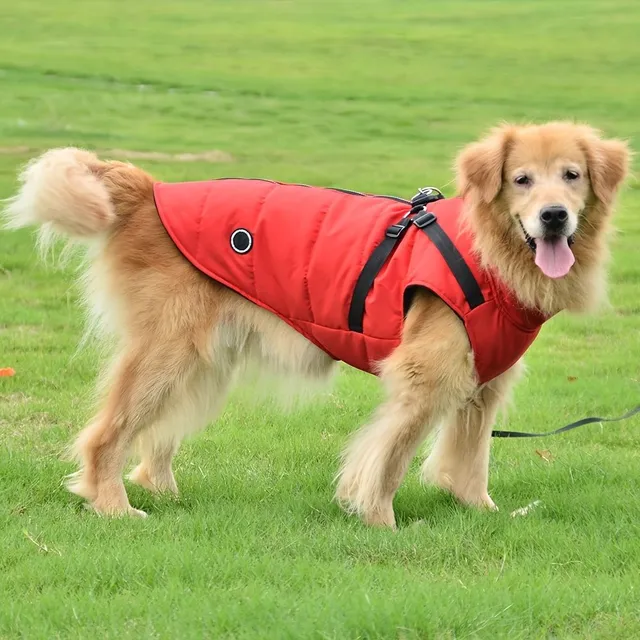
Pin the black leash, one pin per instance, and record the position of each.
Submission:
(568, 427)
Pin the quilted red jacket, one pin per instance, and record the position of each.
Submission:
(299, 251)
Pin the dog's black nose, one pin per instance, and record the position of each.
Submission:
(554, 217)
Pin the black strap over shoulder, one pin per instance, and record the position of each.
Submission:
(427, 221)
(460, 269)
(371, 269)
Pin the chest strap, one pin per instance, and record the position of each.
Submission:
(428, 223)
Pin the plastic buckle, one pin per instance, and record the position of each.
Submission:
(424, 219)
(396, 230)
(426, 195)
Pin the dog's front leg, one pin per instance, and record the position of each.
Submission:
(376, 460)
(427, 377)
(459, 461)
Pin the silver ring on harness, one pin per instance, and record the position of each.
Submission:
(426, 195)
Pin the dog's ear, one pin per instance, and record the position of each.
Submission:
(607, 163)
(479, 166)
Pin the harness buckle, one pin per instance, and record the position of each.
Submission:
(426, 195)
(424, 219)
(396, 230)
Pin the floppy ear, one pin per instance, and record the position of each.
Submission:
(607, 163)
(479, 166)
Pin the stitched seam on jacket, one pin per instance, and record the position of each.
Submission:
(203, 208)
(307, 292)
(261, 203)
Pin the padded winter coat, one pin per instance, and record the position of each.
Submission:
(300, 252)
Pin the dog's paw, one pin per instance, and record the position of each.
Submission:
(77, 483)
(374, 516)
(469, 494)
(115, 513)
(481, 501)
(485, 502)
(164, 483)
(380, 517)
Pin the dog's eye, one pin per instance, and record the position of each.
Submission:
(570, 175)
(523, 180)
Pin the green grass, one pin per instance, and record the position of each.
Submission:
(368, 95)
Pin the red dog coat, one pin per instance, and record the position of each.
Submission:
(317, 258)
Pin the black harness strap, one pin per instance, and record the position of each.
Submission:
(568, 427)
(460, 269)
(371, 270)
(393, 235)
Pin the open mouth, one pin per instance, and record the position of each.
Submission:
(528, 239)
(553, 255)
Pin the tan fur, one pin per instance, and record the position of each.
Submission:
(182, 337)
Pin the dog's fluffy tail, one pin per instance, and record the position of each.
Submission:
(64, 193)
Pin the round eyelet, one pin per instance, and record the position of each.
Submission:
(241, 241)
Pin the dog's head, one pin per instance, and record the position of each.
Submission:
(546, 186)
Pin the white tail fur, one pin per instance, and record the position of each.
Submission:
(60, 193)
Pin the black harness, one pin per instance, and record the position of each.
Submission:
(419, 217)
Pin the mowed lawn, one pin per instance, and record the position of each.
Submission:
(377, 96)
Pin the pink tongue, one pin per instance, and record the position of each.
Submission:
(553, 256)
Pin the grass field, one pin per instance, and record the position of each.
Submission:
(370, 95)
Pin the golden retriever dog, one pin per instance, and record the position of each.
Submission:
(182, 335)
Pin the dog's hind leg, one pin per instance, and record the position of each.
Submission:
(199, 404)
(155, 471)
(459, 461)
(147, 379)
